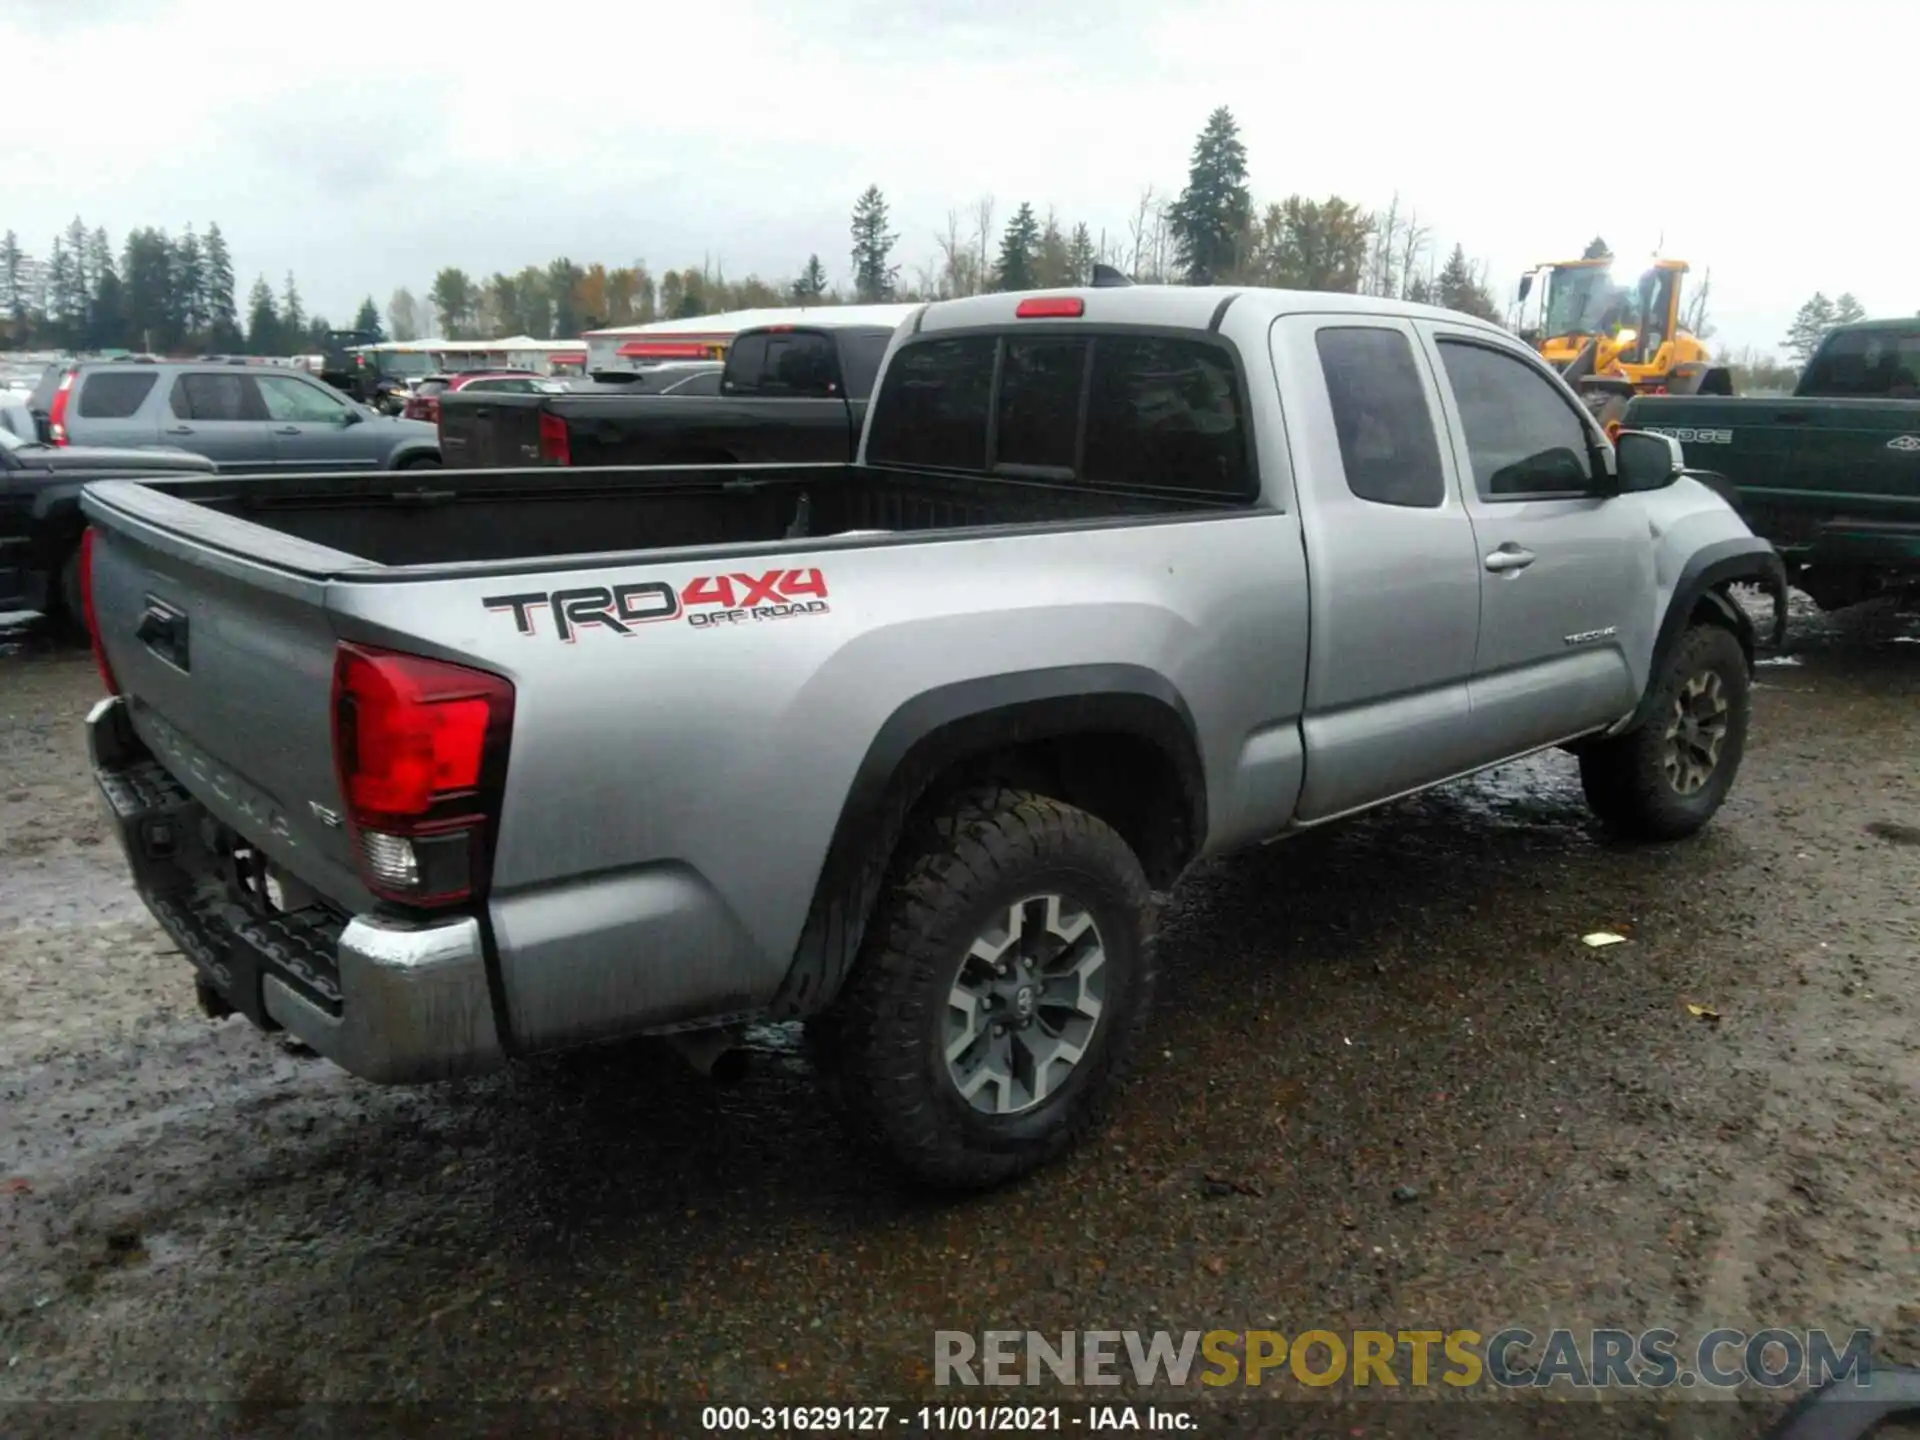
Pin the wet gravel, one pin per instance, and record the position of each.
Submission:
(1390, 1087)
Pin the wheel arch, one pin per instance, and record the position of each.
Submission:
(1116, 740)
(1700, 597)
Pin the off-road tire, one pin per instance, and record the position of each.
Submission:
(1625, 778)
(879, 1050)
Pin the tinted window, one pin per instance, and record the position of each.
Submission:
(1380, 413)
(1165, 414)
(424, 388)
(860, 355)
(114, 395)
(1868, 363)
(799, 362)
(932, 406)
(1522, 436)
(216, 397)
(295, 401)
(506, 387)
(1039, 416)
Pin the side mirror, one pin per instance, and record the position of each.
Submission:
(1646, 461)
(352, 417)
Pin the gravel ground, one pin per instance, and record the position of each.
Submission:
(1390, 1087)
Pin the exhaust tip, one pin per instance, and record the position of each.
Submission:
(715, 1053)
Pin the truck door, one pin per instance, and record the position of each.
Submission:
(1392, 566)
(1566, 576)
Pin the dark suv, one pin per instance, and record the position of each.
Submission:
(245, 416)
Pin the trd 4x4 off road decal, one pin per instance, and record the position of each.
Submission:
(707, 602)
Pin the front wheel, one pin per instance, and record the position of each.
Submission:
(1667, 778)
(1007, 973)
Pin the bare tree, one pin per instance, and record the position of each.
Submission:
(1695, 318)
(1413, 246)
(956, 258)
(1140, 229)
(1382, 253)
(983, 243)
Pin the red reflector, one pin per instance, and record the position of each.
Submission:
(86, 609)
(1043, 307)
(556, 448)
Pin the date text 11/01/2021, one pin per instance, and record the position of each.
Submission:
(945, 1419)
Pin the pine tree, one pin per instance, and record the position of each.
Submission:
(1215, 209)
(1809, 328)
(146, 278)
(1596, 250)
(873, 276)
(367, 321)
(811, 287)
(60, 266)
(452, 300)
(106, 314)
(223, 320)
(13, 280)
(1080, 256)
(293, 320)
(1459, 288)
(263, 321)
(68, 292)
(189, 293)
(563, 287)
(1847, 310)
(1019, 252)
(79, 246)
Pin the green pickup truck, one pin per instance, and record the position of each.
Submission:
(1829, 474)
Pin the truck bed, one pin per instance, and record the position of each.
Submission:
(483, 431)
(545, 515)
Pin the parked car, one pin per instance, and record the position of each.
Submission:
(787, 392)
(247, 419)
(902, 747)
(423, 401)
(1831, 475)
(40, 519)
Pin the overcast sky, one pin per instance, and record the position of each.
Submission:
(365, 147)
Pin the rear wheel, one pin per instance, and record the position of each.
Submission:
(1667, 778)
(425, 462)
(1007, 973)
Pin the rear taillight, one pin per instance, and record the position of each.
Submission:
(421, 750)
(57, 412)
(555, 447)
(86, 612)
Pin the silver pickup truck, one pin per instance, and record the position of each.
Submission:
(434, 771)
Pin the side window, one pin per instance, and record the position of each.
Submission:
(932, 405)
(860, 355)
(1039, 415)
(1380, 413)
(1522, 435)
(789, 362)
(216, 398)
(1165, 414)
(114, 394)
(294, 401)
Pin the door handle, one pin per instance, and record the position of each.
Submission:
(1510, 557)
(180, 429)
(288, 430)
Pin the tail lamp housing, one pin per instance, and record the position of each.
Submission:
(556, 448)
(86, 613)
(420, 747)
(57, 411)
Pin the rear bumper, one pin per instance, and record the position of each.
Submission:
(383, 998)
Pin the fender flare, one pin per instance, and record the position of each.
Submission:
(938, 729)
(1704, 578)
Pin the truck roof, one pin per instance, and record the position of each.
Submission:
(1184, 307)
(734, 321)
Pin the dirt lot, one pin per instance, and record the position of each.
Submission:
(1391, 1088)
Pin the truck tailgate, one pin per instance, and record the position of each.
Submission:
(490, 431)
(226, 665)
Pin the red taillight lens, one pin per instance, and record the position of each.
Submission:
(57, 412)
(420, 746)
(1050, 307)
(86, 612)
(555, 447)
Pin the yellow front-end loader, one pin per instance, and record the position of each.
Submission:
(1613, 341)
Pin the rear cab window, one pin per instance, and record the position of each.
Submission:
(1865, 364)
(782, 362)
(114, 394)
(1109, 409)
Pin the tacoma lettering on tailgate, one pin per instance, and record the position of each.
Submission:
(706, 602)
